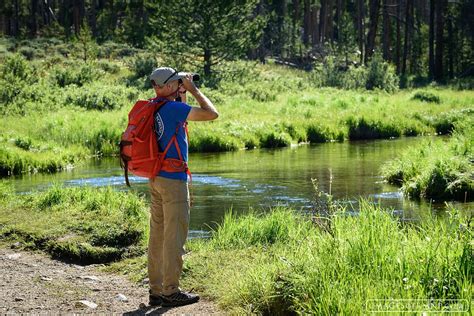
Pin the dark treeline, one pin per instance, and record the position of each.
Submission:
(426, 38)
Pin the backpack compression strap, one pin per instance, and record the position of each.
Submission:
(124, 159)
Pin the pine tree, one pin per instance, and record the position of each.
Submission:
(205, 30)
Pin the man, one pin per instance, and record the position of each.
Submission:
(170, 202)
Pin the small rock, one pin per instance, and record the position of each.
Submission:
(89, 278)
(16, 245)
(77, 266)
(46, 278)
(88, 304)
(142, 306)
(14, 256)
(19, 299)
(146, 281)
(96, 289)
(121, 298)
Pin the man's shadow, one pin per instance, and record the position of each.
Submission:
(148, 310)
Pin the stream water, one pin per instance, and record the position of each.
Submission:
(261, 179)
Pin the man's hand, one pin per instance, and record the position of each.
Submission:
(206, 111)
(188, 83)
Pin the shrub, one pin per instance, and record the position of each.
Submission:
(331, 76)
(16, 66)
(381, 75)
(73, 74)
(27, 52)
(109, 67)
(355, 78)
(142, 66)
(426, 97)
(100, 97)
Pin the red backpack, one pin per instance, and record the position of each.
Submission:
(139, 151)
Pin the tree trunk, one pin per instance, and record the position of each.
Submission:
(399, 36)
(431, 40)
(315, 25)
(322, 20)
(93, 17)
(339, 13)
(77, 16)
(16, 20)
(307, 22)
(296, 18)
(386, 30)
(207, 63)
(329, 20)
(438, 70)
(451, 44)
(374, 7)
(360, 28)
(406, 44)
(113, 16)
(33, 18)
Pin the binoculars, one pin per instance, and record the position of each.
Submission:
(196, 77)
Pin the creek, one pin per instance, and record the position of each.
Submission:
(261, 179)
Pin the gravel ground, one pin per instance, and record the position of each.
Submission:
(32, 283)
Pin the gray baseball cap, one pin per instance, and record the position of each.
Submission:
(163, 75)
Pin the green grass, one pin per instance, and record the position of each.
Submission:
(64, 104)
(86, 225)
(281, 263)
(437, 169)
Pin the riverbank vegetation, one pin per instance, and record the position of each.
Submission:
(437, 169)
(85, 225)
(59, 109)
(274, 263)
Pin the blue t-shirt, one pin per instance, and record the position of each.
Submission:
(167, 119)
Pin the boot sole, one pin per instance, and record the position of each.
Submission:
(179, 303)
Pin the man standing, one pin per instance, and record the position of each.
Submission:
(170, 201)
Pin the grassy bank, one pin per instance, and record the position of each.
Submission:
(86, 225)
(280, 263)
(58, 109)
(277, 263)
(437, 169)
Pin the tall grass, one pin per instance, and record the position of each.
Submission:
(440, 169)
(280, 263)
(86, 225)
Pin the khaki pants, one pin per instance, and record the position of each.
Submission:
(169, 222)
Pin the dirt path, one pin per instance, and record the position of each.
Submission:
(34, 283)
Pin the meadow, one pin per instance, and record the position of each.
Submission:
(277, 262)
(58, 109)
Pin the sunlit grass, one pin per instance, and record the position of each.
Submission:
(281, 263)
(437, 169)
(86, 225)
(260, 106)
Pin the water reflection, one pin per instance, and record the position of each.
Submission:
(261, 179)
